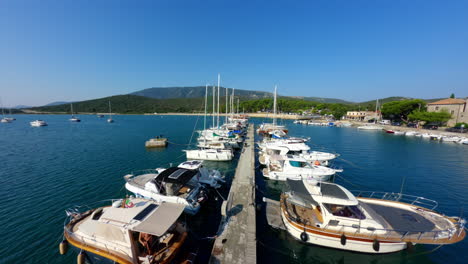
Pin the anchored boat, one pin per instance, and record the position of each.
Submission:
(132, 230)
(281, 168)
(329, 215)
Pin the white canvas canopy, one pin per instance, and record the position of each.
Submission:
(160, 220)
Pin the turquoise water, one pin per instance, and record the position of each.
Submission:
(46, 170)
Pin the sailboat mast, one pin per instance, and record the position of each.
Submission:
(227, 105)
(206, 101)
(232, 103)
(71, 105)
(217, 122)
(110, 110)
(214, 104)
(237, 105)
(274, 108)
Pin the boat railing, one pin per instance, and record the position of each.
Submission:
(453, 233)
(398, 197)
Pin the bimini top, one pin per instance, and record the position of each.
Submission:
(331, 193)
(175, 175)
(146, 216)
(314, 192)
(299, 190)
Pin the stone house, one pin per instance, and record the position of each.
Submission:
(457, 107)
(361, 115)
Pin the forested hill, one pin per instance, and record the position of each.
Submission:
(196, 92)
(128, 104)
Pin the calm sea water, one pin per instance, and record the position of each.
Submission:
(46, 170)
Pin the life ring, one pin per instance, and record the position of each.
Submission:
(304, 236)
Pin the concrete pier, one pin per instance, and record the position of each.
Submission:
(236, 242)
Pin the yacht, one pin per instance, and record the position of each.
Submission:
(265, 128)
(73, 117)
(211, 178)
(326, 214)
(131, 230)
(298, 149)
(281, 168)
(110, 120)
(210, 154)
(172, 185)
(5, 120)
(38, 123)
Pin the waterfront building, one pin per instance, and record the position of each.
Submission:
(361, 115)
(456, 107)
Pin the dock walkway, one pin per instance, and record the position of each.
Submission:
(236, 242)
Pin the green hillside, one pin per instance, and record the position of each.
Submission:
(128, 104)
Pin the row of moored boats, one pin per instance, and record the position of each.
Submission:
(316, 211)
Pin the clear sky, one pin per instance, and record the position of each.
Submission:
(354, 50)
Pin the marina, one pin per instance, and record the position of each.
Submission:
(344, 141)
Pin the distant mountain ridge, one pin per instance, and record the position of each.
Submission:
(196, 92)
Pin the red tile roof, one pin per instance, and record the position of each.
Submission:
(448, 101)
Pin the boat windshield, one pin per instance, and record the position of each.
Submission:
(299, 164)
(345, 211)
(293, 152)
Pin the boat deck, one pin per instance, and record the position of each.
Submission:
(141, 180)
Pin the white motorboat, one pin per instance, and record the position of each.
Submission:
(211, 178)
(326, 214)
(281, 168)
(38, 123)
(210, 154)
(297, 149)
(411, 133)
(172, 185)
(5, 120)
(132, 230)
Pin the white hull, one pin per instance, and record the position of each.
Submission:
(38, 123)
(335, 242)
(209, 155)
(283, 176)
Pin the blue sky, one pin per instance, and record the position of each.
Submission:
(354, 50)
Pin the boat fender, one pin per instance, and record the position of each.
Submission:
(63, 247)
(81, 258)
(376, 245)
(409, 246)
(343, 239)
(304, 236)
(317, 163)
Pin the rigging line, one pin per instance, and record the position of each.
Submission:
(220, 195)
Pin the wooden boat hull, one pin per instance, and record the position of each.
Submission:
(353, 241)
